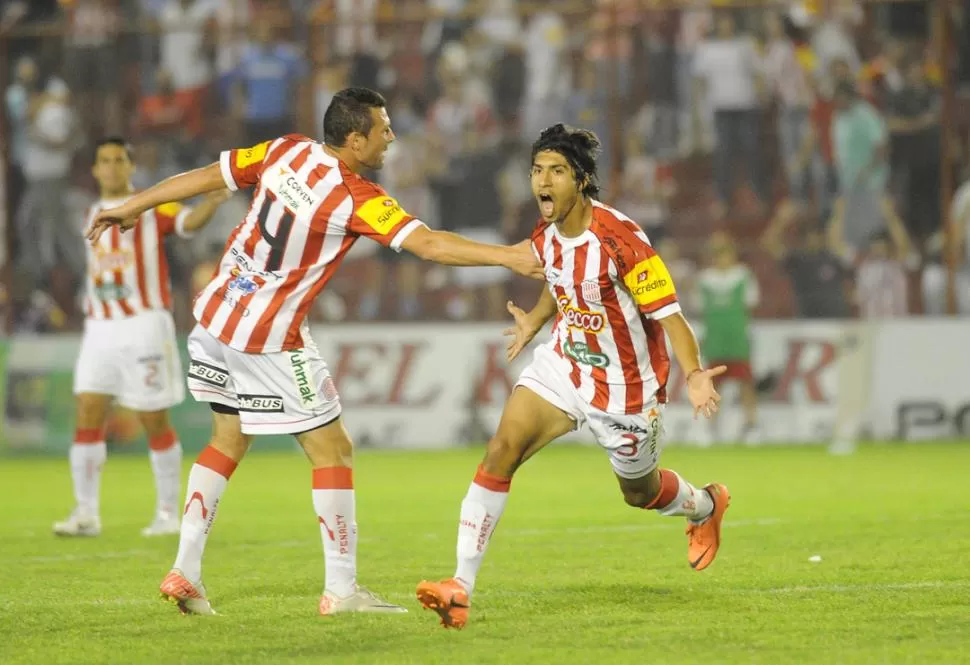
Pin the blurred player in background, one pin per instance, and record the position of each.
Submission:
(606, 365)
(727, 293)
(128, 351)
(252, 357)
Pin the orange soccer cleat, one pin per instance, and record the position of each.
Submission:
(704, 538)
(190, 598)
(448, 598)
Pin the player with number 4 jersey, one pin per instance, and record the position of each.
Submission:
(128, 352)
(252, 357)
(605, 365)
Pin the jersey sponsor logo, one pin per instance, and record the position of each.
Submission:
(381, 213)
(581, 319)
(246, 264)
(112, 291)
(109, 260)
(580, 353)
(208, 373)
(649, 281)
(251, 156)
(302, 376)
(241, 283)
(260, 403)
(291, 190)
(235, 304)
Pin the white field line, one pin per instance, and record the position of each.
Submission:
(288, 544)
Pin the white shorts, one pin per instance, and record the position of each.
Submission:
(275, 393)
(134, 359)
(633, 442)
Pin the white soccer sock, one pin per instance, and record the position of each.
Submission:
(87, 457)
(207, 481)
(333, 501)
(679, 497)
(481, 510)
(165, 453)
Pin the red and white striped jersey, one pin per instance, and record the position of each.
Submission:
(612, 289)
(308, 209)
(128, 272)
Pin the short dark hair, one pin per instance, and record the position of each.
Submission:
(580, 147)
(349, 112)
(113, 140)
(845, 89)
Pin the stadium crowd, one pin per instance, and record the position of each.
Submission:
(808, 135)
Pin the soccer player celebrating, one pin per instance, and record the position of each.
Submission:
(128, 352)
(606, 365)
(252, 358)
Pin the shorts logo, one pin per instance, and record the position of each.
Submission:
(208, 374)
(581, 319)
(308, 396)
(260, 403)
(580, 353)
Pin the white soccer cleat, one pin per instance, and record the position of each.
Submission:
(164, 524)
(189, 597)
(78, 524)
(361, 600)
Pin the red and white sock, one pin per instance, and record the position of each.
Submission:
(679, 497)
(87, 457)
(333, 501)
(165, 453)
(207, 481)
(480, 512)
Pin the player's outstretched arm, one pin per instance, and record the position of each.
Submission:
(528, 324)
(700, 381)
(203, 212)
(451, 249)
(178, 187)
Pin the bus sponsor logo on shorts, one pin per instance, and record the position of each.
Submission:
(580, 353)
(302, 376)
(214, 376)
(260, 403)
(581, 319)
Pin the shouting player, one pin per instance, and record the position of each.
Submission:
(128, 352)
(606, 365)
(252, 357)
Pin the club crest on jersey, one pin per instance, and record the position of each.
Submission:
(242, 284)
(581, 319)
(291, 190)
(591, 290)
(110, 260)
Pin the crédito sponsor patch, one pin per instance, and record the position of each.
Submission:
(169, 209)
(251, 156)
(649, 281)
(381, 213)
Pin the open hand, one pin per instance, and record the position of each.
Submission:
(701, 393)
(521, 333)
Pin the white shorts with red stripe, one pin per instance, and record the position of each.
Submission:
(287, 392)
(633, 442)
(135, 359)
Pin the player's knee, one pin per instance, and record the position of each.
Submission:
(92, 411)
(503, 455)
(637, 498)
(155, 422)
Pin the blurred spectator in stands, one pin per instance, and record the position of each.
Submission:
(588, 106)
(18, 98)
(547, 71)
(818, 277)
(696, 115)
(832, 39)
(727, 69)
(329, 78)
(882, 76)
(268, 86)
(169, 113)
(934, 279)
(859, 137)
(655, 83)
(789, 71)
(92, 62)
(914, 126)
(47, 235)
(646, 189)
(683, 271)
(188, 44)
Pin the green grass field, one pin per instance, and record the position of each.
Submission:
(572, 574)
